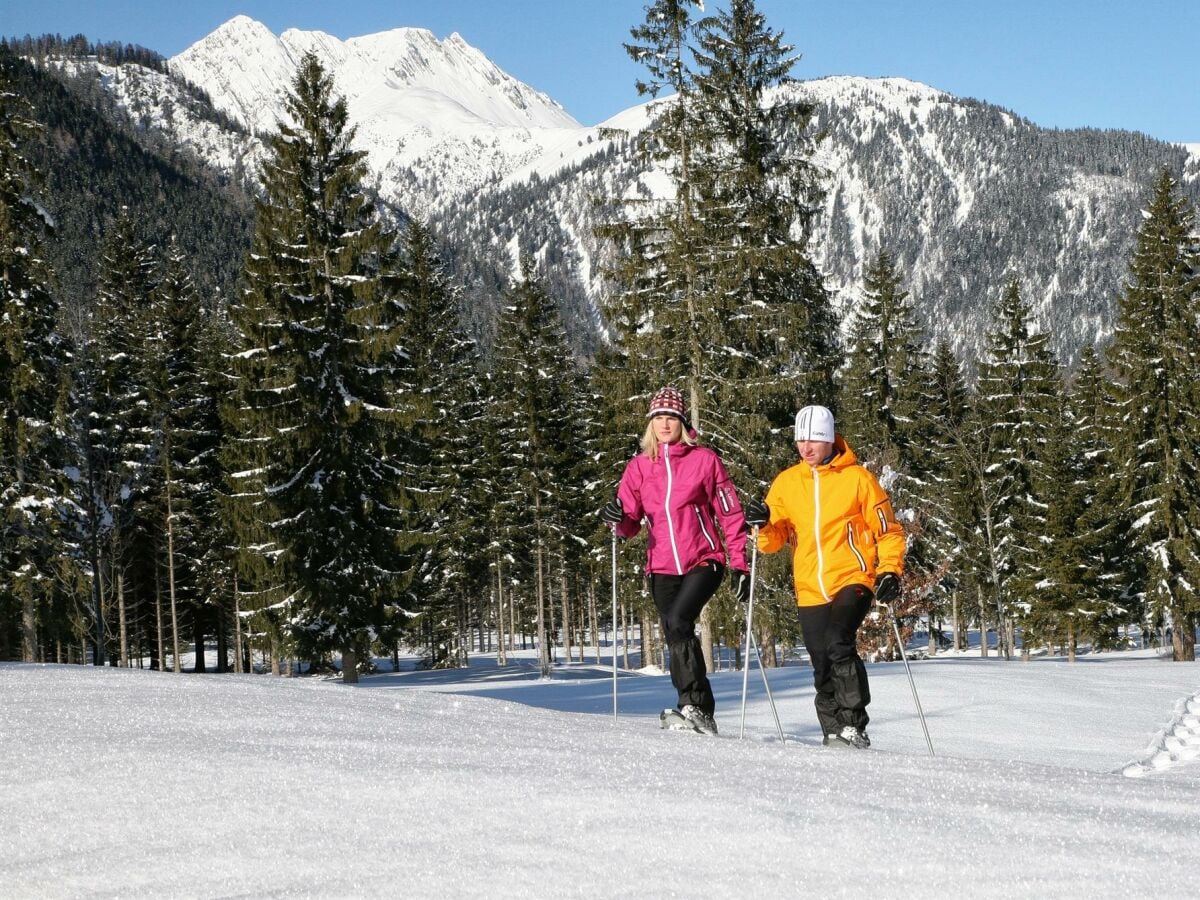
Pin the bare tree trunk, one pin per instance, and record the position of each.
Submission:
(645, 639)
(624, 631)
(159, 634)
(983, 647)
(955, 622)
(767, 647)
(595, 620)
(349, 666)
(124, 630)
(504, 637)
(566, 609)
(222, 638)
(237, 628)
(28, 623)
(171, 574)
(512, 621)
(543, 650)
(1183, 637)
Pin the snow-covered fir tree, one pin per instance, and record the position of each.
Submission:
(115, 417)
(949, 519)
(442, 459)
(320, 378)
(535, 390)
(770, 342)
(1019, 390)
(886, 391)
(1080, 593)
(186, 431)
(1156, 354)
(34, 506)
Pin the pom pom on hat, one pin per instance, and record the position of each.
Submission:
(815, 423)
(668, 401)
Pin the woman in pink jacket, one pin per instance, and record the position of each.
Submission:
(682, 491)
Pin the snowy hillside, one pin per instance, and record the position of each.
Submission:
(964, 195)
(157, 102)
(435, 117)
(493, 783)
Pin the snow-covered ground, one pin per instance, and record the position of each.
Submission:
(494, 783)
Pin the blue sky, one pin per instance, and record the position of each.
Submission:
(1062, 63)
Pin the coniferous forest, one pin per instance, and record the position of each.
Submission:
(264, 420)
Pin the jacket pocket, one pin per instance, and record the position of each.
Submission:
(705, 529)
(862, 563)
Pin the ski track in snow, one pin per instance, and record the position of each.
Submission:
(1177, 744)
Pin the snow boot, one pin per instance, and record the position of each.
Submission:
(700, 720)
(848, 738)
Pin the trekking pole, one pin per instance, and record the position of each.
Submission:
(614, 621)
(911, 683)
(753, 644)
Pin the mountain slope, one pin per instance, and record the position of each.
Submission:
(95, 158)
(964, 195)
(435, 117)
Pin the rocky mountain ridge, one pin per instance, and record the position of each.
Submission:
(963, 193)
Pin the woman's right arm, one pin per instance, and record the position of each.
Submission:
(630, 494)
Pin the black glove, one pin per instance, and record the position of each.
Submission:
(887, 587)
(740, 582)
(757, 513)
(612, 511)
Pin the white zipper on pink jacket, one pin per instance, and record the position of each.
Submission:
(670, 521)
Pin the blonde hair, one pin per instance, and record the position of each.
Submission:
(650, 439)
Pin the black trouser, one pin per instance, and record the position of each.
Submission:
(830, 633)
(680, 600)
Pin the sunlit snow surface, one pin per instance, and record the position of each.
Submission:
(494, 783)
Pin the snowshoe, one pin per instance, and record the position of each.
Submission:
(848, 738)
(690, 718)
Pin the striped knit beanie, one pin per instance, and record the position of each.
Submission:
(668, 401)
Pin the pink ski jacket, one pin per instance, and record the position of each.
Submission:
(682, 496)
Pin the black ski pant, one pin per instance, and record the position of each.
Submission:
(680, 599)
(830, 633)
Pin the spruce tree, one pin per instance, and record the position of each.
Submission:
(886, 391)
(1156, 355)
(441, 459)
(949, 520)
(186, 432)
(770, 333)
(1018, 395)
(535, 388)
(33, 358)
(1080, 597)
(115, 407)
(655, 318)
(319, 383)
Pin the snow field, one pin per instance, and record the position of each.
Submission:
(492, 782)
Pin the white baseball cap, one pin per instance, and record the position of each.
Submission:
(815, 423)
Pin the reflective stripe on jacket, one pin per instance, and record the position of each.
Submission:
(839, 522)
(683, 496)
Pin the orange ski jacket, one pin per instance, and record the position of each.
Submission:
(839, 522)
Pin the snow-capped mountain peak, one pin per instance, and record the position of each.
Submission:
(243, 63)
(418, 103)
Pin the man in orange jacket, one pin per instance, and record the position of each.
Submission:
(848, 550)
